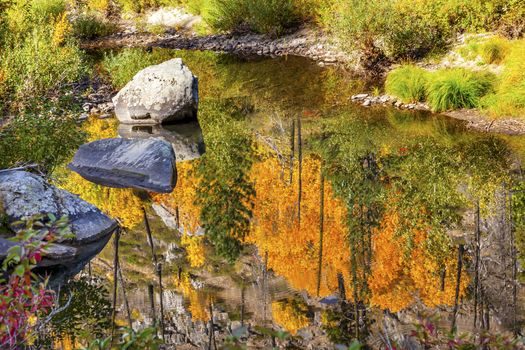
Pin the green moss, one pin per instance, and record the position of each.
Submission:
(407, 82)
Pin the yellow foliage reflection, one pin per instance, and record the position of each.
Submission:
(183, 197)
(194, 246)
(399, 277)
(290, 314)
(293, 247)
(198, 300)
(118, 203)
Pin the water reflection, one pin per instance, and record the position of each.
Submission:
(186, 138)
(396, 192)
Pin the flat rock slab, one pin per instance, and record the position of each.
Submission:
(23, 195)
(186, 138)
(147, 164)
(162, 93)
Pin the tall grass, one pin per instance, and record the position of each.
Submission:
(491, 51)
(509, 97)
(407, 82)
(458, 88)
(494, 50)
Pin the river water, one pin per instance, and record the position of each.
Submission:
(297, 211)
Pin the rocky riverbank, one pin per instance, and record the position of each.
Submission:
(305, 42)
(475, 120)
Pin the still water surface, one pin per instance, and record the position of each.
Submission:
(296, 210)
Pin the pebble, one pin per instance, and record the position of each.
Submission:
(367, 103)
(359, 96)
(83, 117)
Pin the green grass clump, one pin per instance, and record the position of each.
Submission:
(509, 97)
(408, 83)
(458, 88)
(90, 26)
(494, 50)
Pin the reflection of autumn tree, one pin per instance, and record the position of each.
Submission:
(118, 203)
(290, 314)
(101, 128)
(181, 202)
(400, 275)
(198, 300)
(194, 246)
(292, 249)
(225, 192)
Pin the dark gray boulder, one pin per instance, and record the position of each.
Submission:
(186, 138)
(24, 195)
(147, 164)
(161, 93)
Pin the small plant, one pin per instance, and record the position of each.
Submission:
(90, 26)
(24, 299)
(407, 82)
(128, 340)
(494, 50)
(458, 88)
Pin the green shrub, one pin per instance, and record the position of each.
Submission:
(90, 26)
(509, 97)
(34, 67)
(458, 88)
(399, 29)
(270, 16)
(407, 82)
(47, 9)
(46, 139)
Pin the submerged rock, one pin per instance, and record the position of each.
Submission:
(147, 164)
(162, 93)
(186, 138)
(24, 195)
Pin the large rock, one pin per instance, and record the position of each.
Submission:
(147, 164)
(24, 195)
(186, 138)
(162, 93)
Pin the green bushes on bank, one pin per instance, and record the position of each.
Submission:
(37, 54)
(407, 82)
(412, 29)
(270, 16)
(91, 25)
